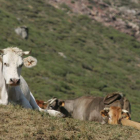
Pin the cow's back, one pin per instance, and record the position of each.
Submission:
(88, 108)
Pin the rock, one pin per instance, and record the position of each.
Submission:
(123, 18)
(133, 12)
(22, 31)
(133, 26)
(62, 54)
(135, 1)
(127, 11)
(19, 19)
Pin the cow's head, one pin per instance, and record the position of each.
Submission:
(55, 104)
(12, 62)
(113, 115)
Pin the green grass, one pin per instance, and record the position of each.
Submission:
(99, 60)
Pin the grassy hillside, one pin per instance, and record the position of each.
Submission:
(18, 123)
(98, 60)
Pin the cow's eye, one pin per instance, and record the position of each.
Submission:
(6, 64)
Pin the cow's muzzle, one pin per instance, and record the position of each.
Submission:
(14, 82)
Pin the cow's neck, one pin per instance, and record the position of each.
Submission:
(69, 106)
(127, 122)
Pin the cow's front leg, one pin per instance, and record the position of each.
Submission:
(21, 99)
(4, 96)
(24, 103)
(4, 102)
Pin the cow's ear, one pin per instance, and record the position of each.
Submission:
(26, 52)
(30, 62)
(125, 114)
(1, 52)
(1, 58)
(104, 113)
(62, 103)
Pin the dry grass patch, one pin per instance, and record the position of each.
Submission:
(19, 123)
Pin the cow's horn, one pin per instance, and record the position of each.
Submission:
(124, 111)
(106, 109)
(51, 100)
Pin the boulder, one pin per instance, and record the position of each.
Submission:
(22, 31)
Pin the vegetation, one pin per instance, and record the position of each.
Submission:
(18, 123)
(98, 60)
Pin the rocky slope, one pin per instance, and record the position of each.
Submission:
(123, 16)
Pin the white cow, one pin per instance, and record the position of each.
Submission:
(13, 87)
